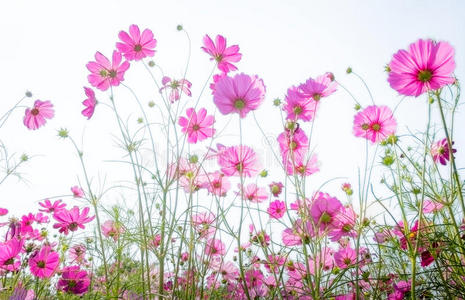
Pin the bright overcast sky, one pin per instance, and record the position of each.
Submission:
(46, 45)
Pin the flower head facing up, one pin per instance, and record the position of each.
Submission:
(176, 86)
(315, 89)
(239, 94)
(136, 46)
(105, 74)
(440, 151)
(237, 160)
(74, 280)
(71, 220)
(89, 103)
(375, 123)
(298, 107)
(36, 116)
(44, 263)
(427, 65)
(197, 125)
(224, 56)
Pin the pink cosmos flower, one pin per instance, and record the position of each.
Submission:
(224, 56)
(44, 262)
(176, 86)
(345, 257)
(324, 210)
(276, 209)
(135, 46)
(50, 207)
(375, 123)
(74, 280)
(299, 231)
(293, 144)
(3, 211)
(71, 219)
(323, 86)
(9, 254)
(253, 193)
(299, 107)
(77, 254)
(427, 65)
(198, 126)
(35, 117)
(430, 206)
(111, 229)
(302, 166)
(218, 184)
(26, 223)
(239, 94)
(77, 191)
(276, 188)
(20, 293)
(105, 74)
(344, 224)
(215, 247)
(237, 160)
(89, 103)
(440, 151)
(204, 224)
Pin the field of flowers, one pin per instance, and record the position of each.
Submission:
(216, 224)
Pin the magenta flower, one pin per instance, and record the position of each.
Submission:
(77, 192)
(345, 257)
(50, 207)
(277, 209)
(89, 103)
(440, 151)
(176, 87)
(74, 280)
(427, 65)
(315, 89)
(237, 160)
(253, 193)
(239, 94)
(9, 254)
(375, 123)
(299, 107)
(111, 229)
(3, 211)
(218, 184)
(44, 262)
(71, 220)
(324, 210)
(198, 126)
(135, 46)
(344, 224)
(105, 74)
(224, 56)
(35, 117)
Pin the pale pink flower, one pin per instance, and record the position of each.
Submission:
(345, 257)
(77, 191)
(293, 144)
(136, 46)
(298, 107)
(44, 262)
(239, 94)
(324, 210)
(215, 247)
(105, 74)
(237, 160)
(218, 184)
(440, 151)
(89, 103)
(430, 206)
(224, 56)
(427, 65)
(35, 117)
(323, 86)
(198, 126)
(277, 209)
(204, 224)
(344, 224)
(112, 229)
(71, 220)
(302, 166)
(276, 188)
(375, 123)
(177, 87)
(77, 254)
(253, 193)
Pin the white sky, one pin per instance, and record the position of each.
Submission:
(46, 45)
